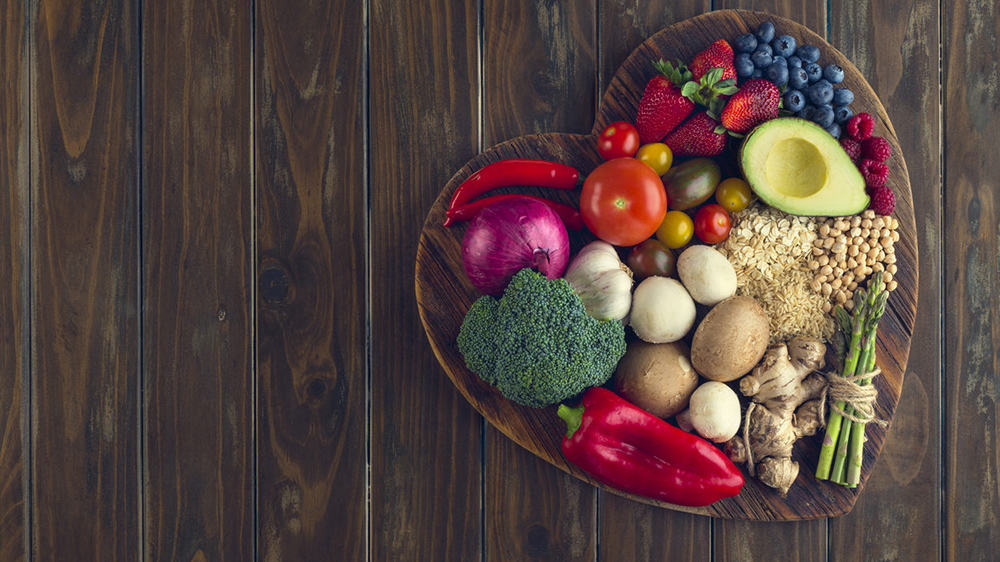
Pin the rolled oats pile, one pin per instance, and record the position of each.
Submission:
(770, 252)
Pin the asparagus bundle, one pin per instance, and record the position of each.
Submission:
(842, 450)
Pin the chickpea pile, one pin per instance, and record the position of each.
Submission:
(849, 249)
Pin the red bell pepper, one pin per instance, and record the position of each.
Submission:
(627, 448)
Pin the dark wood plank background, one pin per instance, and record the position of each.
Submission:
(209, 343)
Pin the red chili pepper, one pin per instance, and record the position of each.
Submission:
(632, 450)
(569, 215)
(515, 171)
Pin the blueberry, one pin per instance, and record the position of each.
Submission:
(779, 59)
(743, 65)
(841, 113)
(757, 73)
(766, 48)
(833, 74)
(777, 73)
(797, 78)
(784, 45)
(834, 130)
(794, 62)
(813, 71)
(823, 117)
(761, 59)
(765, 32)
(806, 112)
(842, 96)
(820, 93)
(746, 43)
(808, 53)
(794, 101)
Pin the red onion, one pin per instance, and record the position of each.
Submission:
(510, 235)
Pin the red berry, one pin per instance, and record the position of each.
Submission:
(883, 201)
(875, 173)
(860, 126)
(876, 148)
(852, 147)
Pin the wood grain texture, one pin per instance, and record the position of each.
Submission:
(443, 293)
(197, 281)
(972, 277)
(13, 276)
(311, 273)
(84, 275)
(629, 530)
(426, 440)
(810, 13)
(895, 44)
(531, 511)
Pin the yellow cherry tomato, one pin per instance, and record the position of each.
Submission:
(676, 229)
(733, 194)
(657, 156)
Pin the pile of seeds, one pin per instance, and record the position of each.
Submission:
(770, 251)
(847, 251)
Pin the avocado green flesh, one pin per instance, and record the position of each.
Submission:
(795, 166)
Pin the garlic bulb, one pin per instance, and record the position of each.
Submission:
(602, 281)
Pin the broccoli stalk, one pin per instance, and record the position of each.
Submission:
(537, 344)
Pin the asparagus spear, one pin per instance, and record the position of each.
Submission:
(833, 425)
(856, 447)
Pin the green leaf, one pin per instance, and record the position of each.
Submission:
(728, 91)
(726, 83)
(689, 90)
(712, 76)
(719, 129)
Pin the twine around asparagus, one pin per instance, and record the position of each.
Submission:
(858, 398)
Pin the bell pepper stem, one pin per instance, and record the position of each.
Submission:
(572, 416)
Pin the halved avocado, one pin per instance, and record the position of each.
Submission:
(796, 166)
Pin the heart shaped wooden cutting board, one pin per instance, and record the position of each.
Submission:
(444, 294)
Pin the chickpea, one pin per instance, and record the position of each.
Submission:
(891, 285)
(891, 268)
(866, 223)
(826, 270)
(852, 285)
(827, 307)
(824, 230)
(814, 265)
(816, 285)
(838, 248)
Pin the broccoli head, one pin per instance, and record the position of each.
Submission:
(537, 344)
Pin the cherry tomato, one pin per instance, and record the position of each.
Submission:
(711, 223)
(619, 139)
(651, 258)
(657, 155)
(733, 194)
(676, 230)
(623, 201)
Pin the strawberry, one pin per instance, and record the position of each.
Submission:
(662, 106)
(883, 200)
(698, 136)
(716, 55)
(755, 102)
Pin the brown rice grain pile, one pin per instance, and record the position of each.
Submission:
(769, 251)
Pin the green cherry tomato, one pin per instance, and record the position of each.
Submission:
(651, 258)
(734, 194)
(711, 223)
(620, 139)
(676, 229)
(657, 155)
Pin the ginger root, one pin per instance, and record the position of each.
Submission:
(785, 390)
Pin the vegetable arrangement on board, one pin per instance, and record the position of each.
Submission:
(678, 305)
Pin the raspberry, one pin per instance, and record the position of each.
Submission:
(852, 147)
(883, 201)
(876, 148)
(860, 126)
(875, 173)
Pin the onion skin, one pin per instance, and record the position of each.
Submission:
(510, 235)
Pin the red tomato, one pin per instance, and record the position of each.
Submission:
(623, 201)
(618, 140)
(711, 223)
